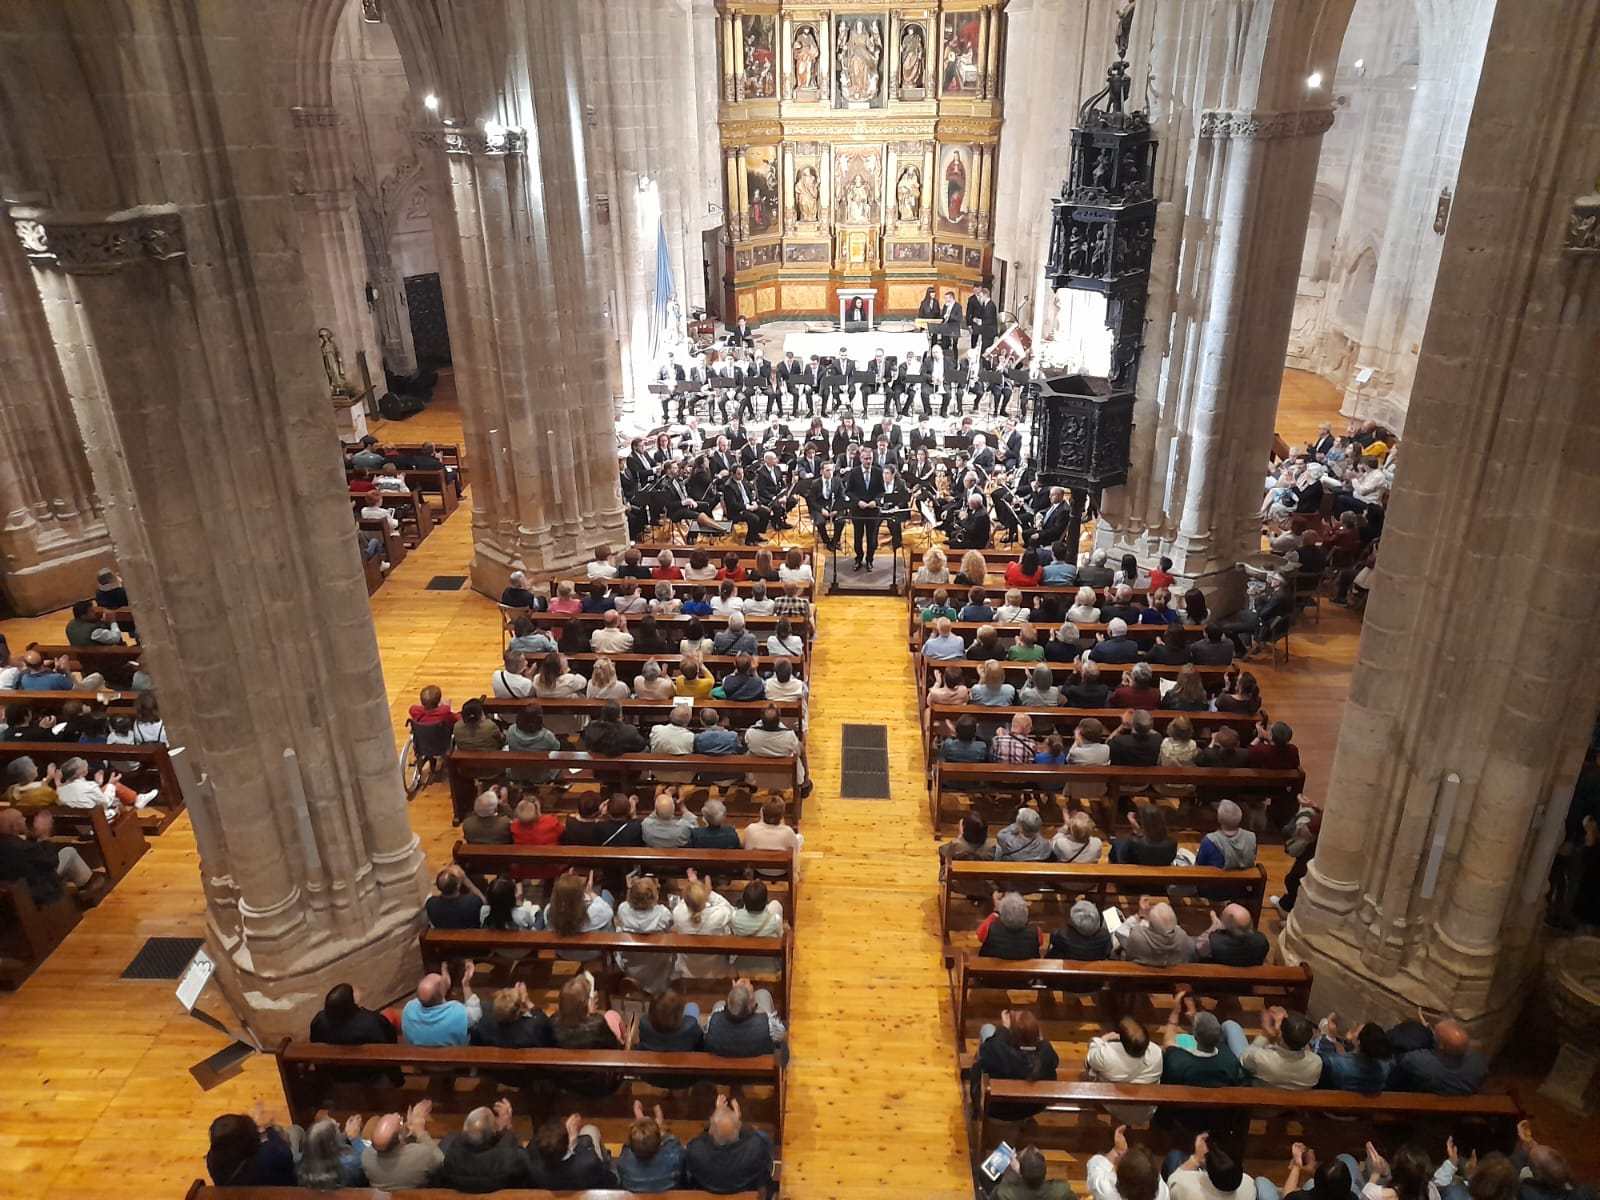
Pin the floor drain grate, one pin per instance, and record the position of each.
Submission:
(864, 762)
(447, 583)
(163, 958)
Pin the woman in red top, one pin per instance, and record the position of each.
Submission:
(731, 568)
(665, 567)
(531, 827)
(1026, 573)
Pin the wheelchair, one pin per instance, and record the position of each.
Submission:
(423, 757)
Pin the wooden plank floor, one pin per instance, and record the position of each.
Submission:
(95, 1069)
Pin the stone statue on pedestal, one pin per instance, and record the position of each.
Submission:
(333, 363)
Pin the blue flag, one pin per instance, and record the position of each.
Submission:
(666, 288)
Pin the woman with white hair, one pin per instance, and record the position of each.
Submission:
(1084, 610)
(1304, 496)
(516, 594)
(1041, 689)
(78, 790)
(664, 603)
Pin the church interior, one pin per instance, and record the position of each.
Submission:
(1042, 445)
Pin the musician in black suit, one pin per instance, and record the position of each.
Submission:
(923, 436)
(1011, 446)
(788, 375)
(808, 467)
(740, 503)
(1056, 518)
(811, 384)
(929, 308)
(983, 319)
(773, 490)
(845, 439)
(971, 528)
(883, 454)
(722, 460)
(882, 368)
(827, 500)
(895, 496)
(838, 396)
(864, 490)
(887, 428)
(679, 504)
(855, 312)
(639, 466)
(741, 334)
(950, 314)
(761, 380)
(982, 456)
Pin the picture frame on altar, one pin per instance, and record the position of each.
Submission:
(760, 59)
(959, 68)
(761, 180)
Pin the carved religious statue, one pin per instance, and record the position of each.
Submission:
(333, 363)
(806, 53)
(860, 58)
(908, 194)
(807, 194)
(858, 200)
(913, 58)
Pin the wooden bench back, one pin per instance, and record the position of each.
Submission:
(1097, 881)
(1290, 986)
(628, 773)
(155, 758)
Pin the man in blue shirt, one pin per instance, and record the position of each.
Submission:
(1359, 1063)
(1451, 1068)
(944, 646)
(713, 738)
(432, 1020)
(743, 683)
(966, 746)
(37, 677)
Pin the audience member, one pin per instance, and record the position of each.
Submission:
(244, 1153)
(1150, 845)
(1085, 937)
(486, 1155)
(652, 1160)
(1013, 1050)
(729, 1157)
(432, 1019)
(1231, 940)
(1154, 938)
(1228, 846)
(343, 1022)
(1006, 932)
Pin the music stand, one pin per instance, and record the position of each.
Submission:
(945, 331)
(785, 447)
(958, 441)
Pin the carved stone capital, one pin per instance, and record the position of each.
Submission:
(98, 243)
(1261, 126)
(1583, 226)
(494, 142)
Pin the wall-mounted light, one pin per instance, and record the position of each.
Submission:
(1360, 64)
(1314, 80)
(644, 183)
(430, 102)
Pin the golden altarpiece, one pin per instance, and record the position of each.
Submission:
(858, 144)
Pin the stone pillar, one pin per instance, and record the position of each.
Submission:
(644, 87)
(52, 537)
(1240, 132)
(162, 243)
(516, 244)
(1457, 754)
(1451, 40)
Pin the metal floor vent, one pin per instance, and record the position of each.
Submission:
(163, 958)
(864, 765)
(446, 583)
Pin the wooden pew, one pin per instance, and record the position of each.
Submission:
(1146, 635)
(566, 717)
(1096, 881)
(920, 595)
(394, 546)
(156, 759)
(116, 663)
(29, 931)
(449, 453)
(1290, 986)
(649, 551)
(433, 483)
(1498, 1112)
(1001, 777)
(480, 944)
(631, 664)
(774, 866)
(200, 1190)
(113, 844)
(646, 587)
(1064, 720)
(467, 770)
(1017, 673)
(310, 1072)
(672, 627)
(54, 702)
(409, 508)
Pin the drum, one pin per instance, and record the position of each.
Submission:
(1013, 349)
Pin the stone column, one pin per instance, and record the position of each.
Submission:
(1240, 132)
(643, 85)
(1457, 753)
(52, 536)
(161, 239)
(1451, 38)
(516, 245)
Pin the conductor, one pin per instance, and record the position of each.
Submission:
(983, 319)
(864, 490)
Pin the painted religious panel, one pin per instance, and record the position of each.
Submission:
(911, 62)
(858, 65)
(958, 54)
(955, 178)
(806, 60)
(858, 185)
(761, 179)
(760, 58)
